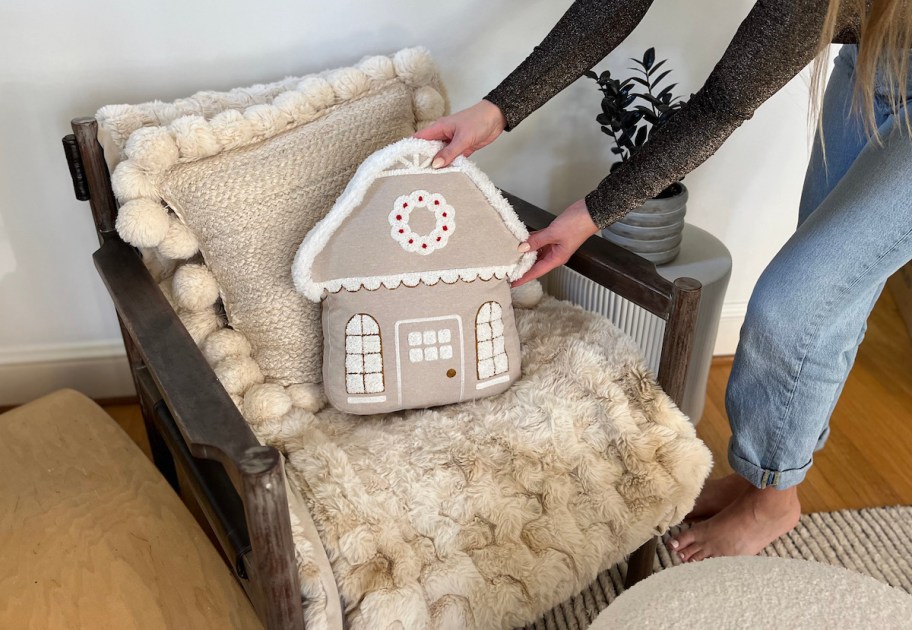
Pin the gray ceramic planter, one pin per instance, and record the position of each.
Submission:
(654, 229)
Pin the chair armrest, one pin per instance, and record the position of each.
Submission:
(630, 276)
(211, 425)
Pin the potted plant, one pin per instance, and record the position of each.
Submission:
(631, 110)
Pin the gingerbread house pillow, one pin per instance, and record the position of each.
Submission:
(413, 266)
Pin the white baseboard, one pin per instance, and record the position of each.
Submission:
(98, 369)
(729, 328)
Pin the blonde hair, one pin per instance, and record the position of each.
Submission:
(884, 39)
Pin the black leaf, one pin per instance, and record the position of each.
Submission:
(656, 67)
(658, 79)
(649, 58)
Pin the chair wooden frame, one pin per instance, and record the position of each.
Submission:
(193, 424)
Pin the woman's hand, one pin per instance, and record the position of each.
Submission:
(465, 132)
(557, 242)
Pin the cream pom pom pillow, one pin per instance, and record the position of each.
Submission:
(233, 182)
(413, 267)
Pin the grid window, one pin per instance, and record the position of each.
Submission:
(489, 341)
(430, 345)
(363, 356)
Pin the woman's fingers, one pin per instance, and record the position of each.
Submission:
(537, 240)
(456, 147)
(443, 129)
(464, 132)
(549, 259)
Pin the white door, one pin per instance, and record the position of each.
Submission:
(430, 361)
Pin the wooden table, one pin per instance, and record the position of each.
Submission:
(91, 536)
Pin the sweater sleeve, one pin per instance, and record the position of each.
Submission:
(773, 44)
(587, 32)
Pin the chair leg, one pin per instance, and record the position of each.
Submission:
(639, 566)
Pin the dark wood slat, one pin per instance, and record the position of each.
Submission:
(207, 418)
(631, 276)
(162, 457)
(97, 178)
(273, 567)
(641, 562)
(77, 174)
(679, 335)
(220, 502)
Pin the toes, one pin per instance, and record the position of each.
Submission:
(701, 554)
(681, 541)
(688, 553)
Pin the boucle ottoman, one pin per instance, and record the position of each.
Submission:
(758, 592)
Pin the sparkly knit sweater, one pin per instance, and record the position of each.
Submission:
(776, 40)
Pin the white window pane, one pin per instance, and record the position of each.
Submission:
(371, 343)
(486, 368)
(446, 352)
(373, 363)
(498, 345)
(485, 350)
(354, 383)
(430, 337)
(484, 332)
(354, 326)
(500, 363)
(497, 327)
(353, 344)
(354, 363)
(416, 355)
(369, 327)
(373, 383)
(484, 313)
(414, 338)
(443, 336)
(430, 354)
(496, 311)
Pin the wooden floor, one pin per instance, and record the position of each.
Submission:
(868, 459)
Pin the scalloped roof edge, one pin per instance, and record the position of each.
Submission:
(351, 197)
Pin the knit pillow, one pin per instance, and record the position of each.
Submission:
(413, 267)
(242, 187)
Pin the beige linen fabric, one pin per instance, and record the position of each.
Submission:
(438, 376)
(251, 208)
(480, 238)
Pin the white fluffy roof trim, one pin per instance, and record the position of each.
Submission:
(389, 160)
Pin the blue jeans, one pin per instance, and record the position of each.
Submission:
(808, 312)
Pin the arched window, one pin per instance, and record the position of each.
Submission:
(363, 356)
(489, 341)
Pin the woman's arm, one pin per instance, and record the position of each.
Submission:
(776, 40)
(588, 31)
(773, 44)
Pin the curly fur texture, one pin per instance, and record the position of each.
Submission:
(486, 514)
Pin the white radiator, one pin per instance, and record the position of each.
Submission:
(644, 327)
(703, 257)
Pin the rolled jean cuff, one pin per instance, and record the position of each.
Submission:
(760, 477)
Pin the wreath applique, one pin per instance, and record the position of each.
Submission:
(422, 243)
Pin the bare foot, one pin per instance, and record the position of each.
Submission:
(744, 528)
(717, 495)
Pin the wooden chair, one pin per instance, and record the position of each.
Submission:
(193, 424)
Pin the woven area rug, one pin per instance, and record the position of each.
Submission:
(876, 542)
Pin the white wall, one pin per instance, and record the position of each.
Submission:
(65, 59)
